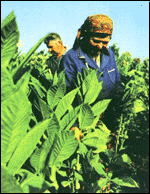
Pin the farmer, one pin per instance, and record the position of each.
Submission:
(90, 50)
(57, 49)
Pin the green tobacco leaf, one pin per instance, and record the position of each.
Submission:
(100, 169)
(33, 183)
(27, 146)
(91, 87)
(82, 149)
(90, 139)
(93, 93)
(126, 159)
(7, 85)
(15, 118)
(38, 159)
(38, 86)
(55, 79)
(125, 182)
(104, 129)
(52, 129)
(55, 94)
(64, 146)
(45, 109)
(9, 183)
(97, 139)
(66, 183)
(102, 182)
(86, 85)
(69, 119)
(16, 74)
(9, 38)
(65, 102)
(139, 106)
(100, 106)
(78, 176)
(86, 117)
(23, 83)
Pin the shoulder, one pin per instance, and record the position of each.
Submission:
(71, 55)
(111, 52)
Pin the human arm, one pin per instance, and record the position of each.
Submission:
(68, 63)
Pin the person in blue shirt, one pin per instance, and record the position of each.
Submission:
(90, 50)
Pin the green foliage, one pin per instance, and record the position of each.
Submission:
(9, 38)
(9, 183)
(40, 154)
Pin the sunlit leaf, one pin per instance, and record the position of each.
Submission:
(9, 183)
(125, 182)
(26, 147)
(64, 146)
(86, 117)
(9, 38)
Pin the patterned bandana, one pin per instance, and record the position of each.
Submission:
(98, 24)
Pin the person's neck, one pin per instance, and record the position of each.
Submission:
(87, 49)
(63, 50)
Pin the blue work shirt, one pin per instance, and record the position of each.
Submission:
(74, 60)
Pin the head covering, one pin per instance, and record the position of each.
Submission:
(98, 23)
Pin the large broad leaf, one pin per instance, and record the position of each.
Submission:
(52, 130)
(65, 102)
(7, 85)
(45, 109)
(93, 92)
(9, 38)
(102, 182)
(23, 83)
(139, 106)
(100, 106)
(69, 119)
(91, 87)
(33, 183)
(38, 87)
(16, 74)
(27, 146)
(55, 94)
(97, 139)
(125, 182)
(9, 183)
(64, 146)
(38, 159)
(16, 113)
(86, 117)
(100, 169)
(86, 85)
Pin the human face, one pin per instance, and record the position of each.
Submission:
(54, 47)
(97, 41)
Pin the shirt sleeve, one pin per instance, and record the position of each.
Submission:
(68, 63)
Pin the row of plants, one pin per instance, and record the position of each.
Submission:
(55, 141)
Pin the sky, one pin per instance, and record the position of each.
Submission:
(37, 18)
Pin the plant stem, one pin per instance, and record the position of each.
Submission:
(120, 127)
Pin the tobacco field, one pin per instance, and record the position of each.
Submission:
(43, 150)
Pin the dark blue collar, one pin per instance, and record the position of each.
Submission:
(89, 60)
